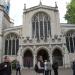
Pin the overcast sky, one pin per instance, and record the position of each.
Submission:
(16, 8)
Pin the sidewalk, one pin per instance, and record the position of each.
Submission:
(32, 72)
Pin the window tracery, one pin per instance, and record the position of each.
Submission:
(11, 44)
(41, 26)
(70, 41)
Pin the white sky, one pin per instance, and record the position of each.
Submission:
(16, 8)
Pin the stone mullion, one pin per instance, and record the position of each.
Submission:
(8, 48)
(73, 42)
(11, 45)
(43, 28)
(39, 26)
(47, 29)
(35, 30)
(15, 47)
(69, 44)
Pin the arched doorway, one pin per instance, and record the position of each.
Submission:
(57, 57)
(28, 59)
(43, 53)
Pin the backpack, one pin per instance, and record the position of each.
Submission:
(36, 68)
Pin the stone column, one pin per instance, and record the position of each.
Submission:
(51, 58)
(1, 52)
(34, 56)
(1, 27)
(20, 57)
(50, 53)
(66, 59)
(34, 60)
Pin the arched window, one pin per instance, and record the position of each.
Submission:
(70, 41)
(41, 26)
(11, 44)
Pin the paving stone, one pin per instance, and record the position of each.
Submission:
(67, 71)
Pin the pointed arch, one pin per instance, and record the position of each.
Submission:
(41, 27)
(28, 58)
(57, 56)
(11, 44)
(44, 52)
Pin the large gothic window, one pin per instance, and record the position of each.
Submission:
(70, 41)
(11, 44)
(41, 26)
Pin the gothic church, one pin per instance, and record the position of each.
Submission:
(41, 34)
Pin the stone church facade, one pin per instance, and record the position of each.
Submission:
(41, 34)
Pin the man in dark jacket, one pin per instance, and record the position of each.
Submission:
(5, 67)
(73, 67)
(55, 68)
(1, 70)
(18, 68)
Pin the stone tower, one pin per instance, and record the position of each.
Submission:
(4, 23)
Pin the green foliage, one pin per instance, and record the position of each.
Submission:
(70, 14)
(14, 64)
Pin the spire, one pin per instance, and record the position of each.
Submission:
(40, 3)
(56, 5)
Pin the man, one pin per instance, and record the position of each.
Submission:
(49, 67)
(18, 68)
(73, 67)
(55, 68)
(46, 71)
(40, 65)
(1, 70)
(5, 67)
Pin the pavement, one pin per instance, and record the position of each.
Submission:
(62, 71)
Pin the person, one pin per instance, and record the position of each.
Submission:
(5, 67)
(49, 67)
(55, 68)
(46, 70)
(18, 68)
(73, 67)
(40, 65)
(1, 68)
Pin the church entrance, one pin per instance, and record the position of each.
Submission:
(28, 59)
(43, 53)
(57, 57)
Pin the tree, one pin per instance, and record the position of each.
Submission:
(70, 14)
